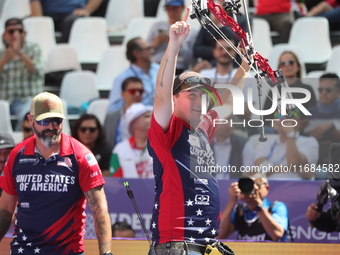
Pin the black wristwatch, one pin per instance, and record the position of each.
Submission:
(259, 208)
(107, 253)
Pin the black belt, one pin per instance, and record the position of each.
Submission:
(182, 246)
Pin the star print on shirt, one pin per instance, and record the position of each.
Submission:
(37, 250)
(24, 238)
(191, 239)
(190, 222)
(213, 231)
(20, 250)
(207, 239)
(190, 203)
(207, 222)
(154, 224)
(156, 206)
(200, 231)
(29, 244)
(199, 212)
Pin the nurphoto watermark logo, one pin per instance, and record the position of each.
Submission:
(283, 101)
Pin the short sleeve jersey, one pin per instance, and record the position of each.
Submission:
(50, 215)
(187, 202)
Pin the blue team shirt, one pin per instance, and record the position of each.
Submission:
(116, 101)
(187, 202)
(61, 6)
(50, 215)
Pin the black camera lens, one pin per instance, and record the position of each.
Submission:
(246, 185)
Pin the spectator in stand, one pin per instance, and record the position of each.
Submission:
(130, 158)
(115, 123)
(138, 52)
(21, 69)
(88, 130)
(159, 36)
(123, 230)
(205, 43)
(279, 15)
(328, 106)
(64, 12)
(291, 68)
(329, 9)
(287, 148)
(26, 127)
(224, 71)
(324, 122)
(6, 146)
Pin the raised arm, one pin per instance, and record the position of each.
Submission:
(96, 200)
(163, 105)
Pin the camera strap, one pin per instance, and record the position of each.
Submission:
(240, 212)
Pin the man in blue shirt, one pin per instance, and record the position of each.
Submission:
(138, 52)
(258, 219)
(64, 12)
(323, 123)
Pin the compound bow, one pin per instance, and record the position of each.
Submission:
(201, 10)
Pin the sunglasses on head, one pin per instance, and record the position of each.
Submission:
(190, 82)
(289, 62)
(133, 91)
(46, 122)
(90, 129)
(27, 129)
(328, 90)
(11, 31)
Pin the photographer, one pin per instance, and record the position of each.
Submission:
(257, 219)
(327, 221)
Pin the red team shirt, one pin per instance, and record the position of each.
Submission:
(187, 202)
(50, 215)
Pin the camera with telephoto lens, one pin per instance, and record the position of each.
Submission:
(246, 185)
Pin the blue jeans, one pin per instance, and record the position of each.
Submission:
(333, 17)
(19, 109)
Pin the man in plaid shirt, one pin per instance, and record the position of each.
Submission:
(21, 69)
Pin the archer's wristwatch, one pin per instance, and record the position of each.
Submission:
(259, 208)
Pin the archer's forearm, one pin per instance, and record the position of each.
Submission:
(5, 222)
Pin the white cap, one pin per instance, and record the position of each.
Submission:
(134, 111)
